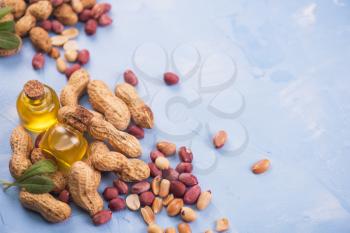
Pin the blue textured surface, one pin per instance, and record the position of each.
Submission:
(273, 74)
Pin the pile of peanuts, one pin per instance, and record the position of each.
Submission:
(45, 21)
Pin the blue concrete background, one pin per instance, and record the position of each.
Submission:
(273, 74)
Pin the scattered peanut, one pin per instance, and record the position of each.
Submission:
(204, 200)
(188, 215)
(148, 215)
(133, 202)
(58, 40)
(167, 148)
(155, 185)
(162, 163)
(130, 77)
(184, 228)
(147, 198)
(168, 199)
(175, 207)
(71, 45)
(164, 188)
(21, 144)
(171, 78)
(261, 166)
(140, 112)
(51, 209)
(157, 205)
(61, 65)
(70, 33)
(220, 139)
(54, 53)
(102, 217)
(153, 228)
(71, 55)
(222, 225)
(170, 230)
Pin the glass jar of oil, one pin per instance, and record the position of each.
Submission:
(37, 106)
(66, 144)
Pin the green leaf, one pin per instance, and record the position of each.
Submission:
(37, 184)
(4, 11)
(9, 40)
(39, 168)
(7, 26)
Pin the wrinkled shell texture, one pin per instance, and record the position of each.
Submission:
(75, 88)
(40, 39)
(50, 208)
(83, 186)
(66, 15)
(18, 6)
(104, 101)
(59, 181)
(24, 24)
(135, 170)
(140, 112)
(21, 145)
(40, 10)
(105, 160)
(121, 141)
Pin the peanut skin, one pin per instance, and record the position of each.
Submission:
(105, 160)
(21, 145)
(50, 208)
(140, 112)
(75, 88)
(83, 182)
(83, 120)
(103, 100)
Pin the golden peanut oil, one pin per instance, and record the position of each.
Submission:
(65, 143)
(37, 106)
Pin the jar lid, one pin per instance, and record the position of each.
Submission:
(34, 89)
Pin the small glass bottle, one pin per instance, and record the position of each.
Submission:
(37, 106)
(66, 144)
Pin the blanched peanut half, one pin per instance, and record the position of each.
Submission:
(222, 225)
(153, 228)
(133, 202)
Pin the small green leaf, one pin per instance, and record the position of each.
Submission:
(9, 40)
(37, 184)
(4, 11)
(39, 168)
(7, 26)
